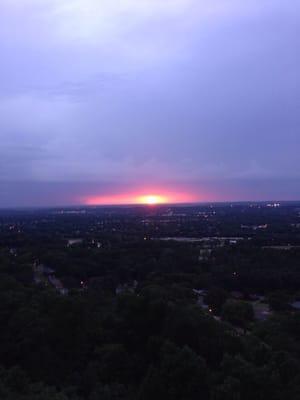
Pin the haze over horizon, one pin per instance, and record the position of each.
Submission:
(186, 99)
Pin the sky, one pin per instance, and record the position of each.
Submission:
(107, 101)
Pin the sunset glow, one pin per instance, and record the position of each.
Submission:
(150, 198)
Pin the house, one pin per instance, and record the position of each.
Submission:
(205, 253)
(200, 292)
(72, 242)
(126, 288)
(57, 284)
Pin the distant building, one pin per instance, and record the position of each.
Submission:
(126, 288)
(13, 252)
(273, 205)
(297, 225)
(205, 253)
(255, 227)
(72, 242)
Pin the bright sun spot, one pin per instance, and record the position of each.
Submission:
(151, 199)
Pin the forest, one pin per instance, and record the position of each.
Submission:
(117, 313)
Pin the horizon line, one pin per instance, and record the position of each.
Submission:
(181, 204)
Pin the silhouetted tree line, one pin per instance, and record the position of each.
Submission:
(156, 341)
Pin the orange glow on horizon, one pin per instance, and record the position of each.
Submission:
(151, 198)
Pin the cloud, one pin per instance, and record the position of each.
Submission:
(128, 90)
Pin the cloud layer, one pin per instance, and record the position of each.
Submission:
(135, 91)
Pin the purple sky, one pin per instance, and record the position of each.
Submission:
(98, 97)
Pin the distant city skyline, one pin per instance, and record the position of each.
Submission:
(188, 100)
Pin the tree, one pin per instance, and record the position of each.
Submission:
(180, 375)
(216, 298)
(238, 312)
(279, 301)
